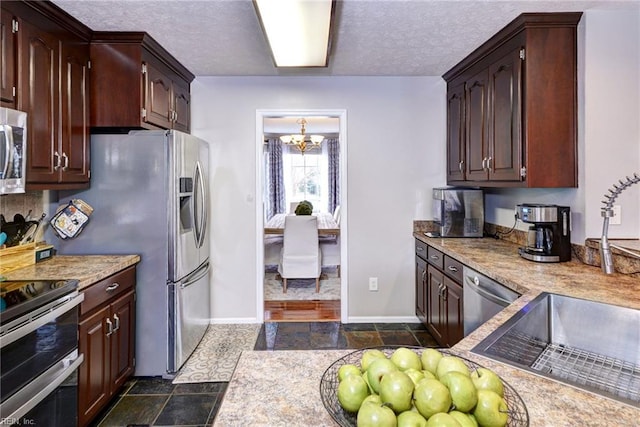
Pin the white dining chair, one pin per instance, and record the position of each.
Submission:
(293, 206)
(336, 215)
(272, 249)
(300, 257)
(330, 251)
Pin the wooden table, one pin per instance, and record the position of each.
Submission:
(326, 225)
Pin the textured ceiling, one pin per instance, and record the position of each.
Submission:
(369, 37)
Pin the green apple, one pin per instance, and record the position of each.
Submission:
(431, 397)
(464, 395)
(373, 415)
(365, 377)
(430, 358)
(351, 392)
(464, 419)
(442, 419)
(369, 356)
(346, 370)
(486, 379)
(405, 358)
(372, 398)
(415, 375)
(451, 363)
(429, 374)
(396, 390)
(411, 419)
(376, 371)
(491, 410)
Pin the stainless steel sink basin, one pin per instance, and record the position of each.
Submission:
(590, 345)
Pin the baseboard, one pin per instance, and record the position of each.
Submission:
(234, 320)
(389, 319)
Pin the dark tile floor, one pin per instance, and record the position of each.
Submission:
(158, 402)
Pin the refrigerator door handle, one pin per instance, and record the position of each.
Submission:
(197, 275)
(200, 208)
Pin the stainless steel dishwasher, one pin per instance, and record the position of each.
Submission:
(483, 298)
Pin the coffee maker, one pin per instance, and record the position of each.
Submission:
(549, 238)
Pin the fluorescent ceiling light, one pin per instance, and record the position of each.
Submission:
(297, 30)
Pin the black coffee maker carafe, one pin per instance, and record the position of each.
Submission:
(549, 238)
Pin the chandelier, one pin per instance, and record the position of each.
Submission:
(302, 141)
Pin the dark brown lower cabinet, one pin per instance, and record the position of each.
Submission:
(439, 294)
(107, 341)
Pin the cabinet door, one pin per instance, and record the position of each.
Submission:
(421, 289)
(435, 313)
(7, 60)
(454, 313)
(181, 106)
(38, 85)
(476, 126)
(455, 133)
(93, 375)
(505, 112)
(157, 97)
(122, 340)
(75, 112)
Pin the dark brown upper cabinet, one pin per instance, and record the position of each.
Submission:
(512, 107)
(137, 84)
(50, 71)
(7, 59)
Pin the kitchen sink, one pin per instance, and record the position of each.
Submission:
(590, 345)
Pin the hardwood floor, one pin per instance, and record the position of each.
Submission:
(302, 311)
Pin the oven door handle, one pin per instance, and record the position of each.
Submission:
(34, 324)
(37, 390)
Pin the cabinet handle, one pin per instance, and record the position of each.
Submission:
(175, 116)
(66, 161)
(109, 327)
(424, 275)
(484, 163)
(460, 165)
(116, 319)
(489, 163)
(444, 293)
(58, 161)
(453, 268)
(434, 257)
(112, 287)
(419, 249)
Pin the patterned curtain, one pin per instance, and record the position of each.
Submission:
(274, 178)
(333, 152)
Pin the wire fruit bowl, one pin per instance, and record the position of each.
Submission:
(518, 415)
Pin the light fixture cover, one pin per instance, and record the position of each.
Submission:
(297, 30)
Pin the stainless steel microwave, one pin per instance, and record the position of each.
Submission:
(13, 150)
(459, 212)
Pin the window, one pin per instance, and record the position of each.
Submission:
(306, 177)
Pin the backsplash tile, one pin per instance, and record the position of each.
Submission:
(11, 204)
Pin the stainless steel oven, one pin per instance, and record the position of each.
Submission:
(39, 352)
(13, 150)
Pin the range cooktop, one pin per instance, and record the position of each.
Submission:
(21, 296)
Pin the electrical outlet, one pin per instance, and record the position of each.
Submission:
(373, 283)
(616, 219)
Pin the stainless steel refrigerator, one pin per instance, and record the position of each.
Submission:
(149, 191)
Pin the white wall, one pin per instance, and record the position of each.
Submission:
(608, 130)
(395, 155)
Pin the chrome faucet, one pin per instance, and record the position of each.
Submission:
(606, 259)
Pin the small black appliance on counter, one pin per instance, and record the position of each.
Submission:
(549, 238)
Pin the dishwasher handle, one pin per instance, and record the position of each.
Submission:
(475, 287)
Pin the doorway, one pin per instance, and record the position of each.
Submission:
(272, 303)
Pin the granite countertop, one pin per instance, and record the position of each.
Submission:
(281, 388)
(87, 269)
